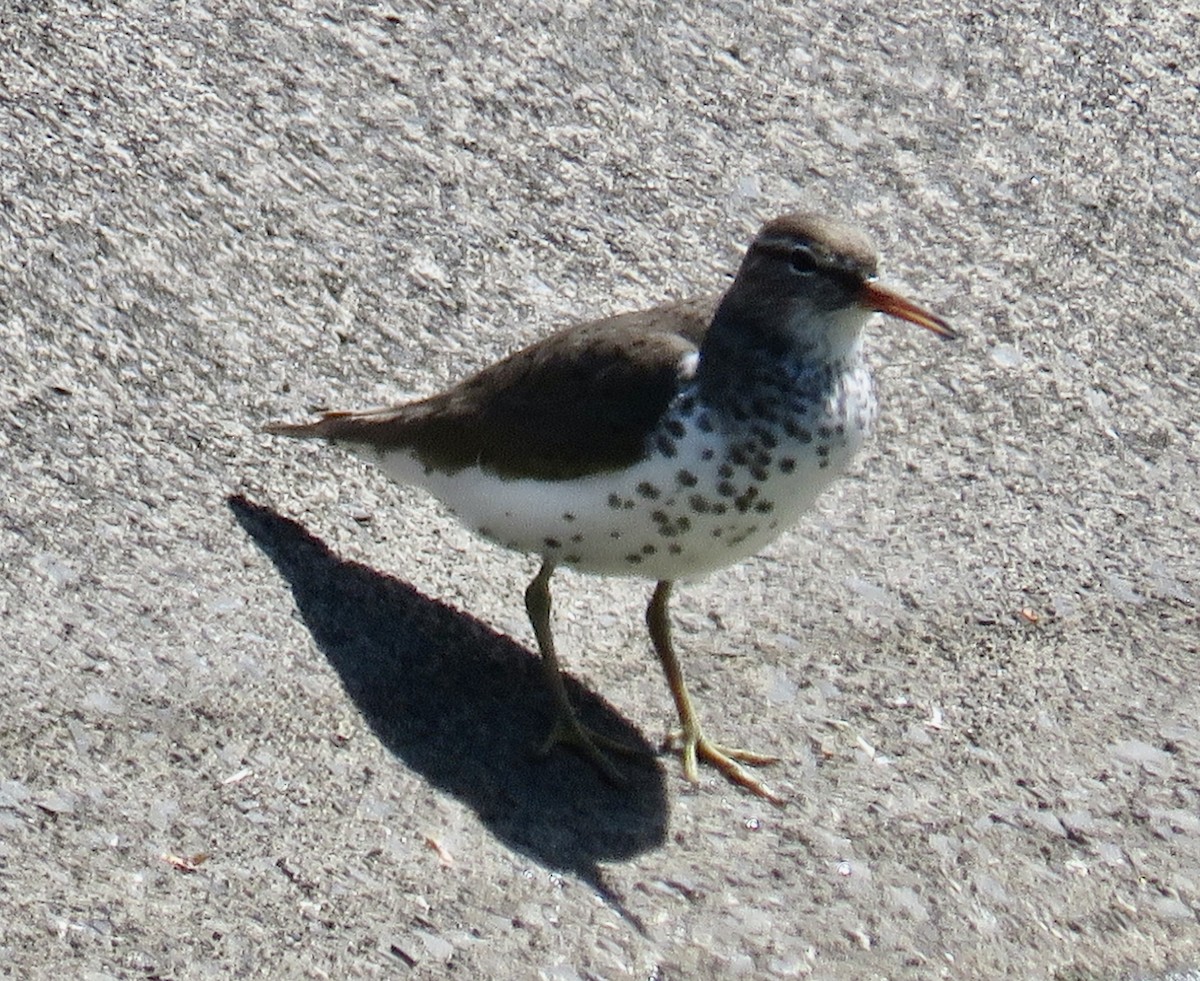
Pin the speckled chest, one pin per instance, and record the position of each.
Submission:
(719, 480)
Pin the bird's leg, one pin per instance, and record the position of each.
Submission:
(567, 727)
(695, 745)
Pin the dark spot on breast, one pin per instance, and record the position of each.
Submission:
(758, 473)
(797, 432)
(686, 478)
(659, 517)
(674, 548)
(787, 464)
(552, 543)
(743, 502)
(648, 490)
(726, 489)
(679, 526)
(568, 516)
(614, 535)
(725, 470)
(649, 549)
(676, 428)
(741, 536)
(704, 423)
(576, 539)
(823, 451)
(633, 558)
(572, 559)
(687, 406)
(699, 503)
(614, 501)
(665, 445)
(706, 454)
(764, 507)
(765, 409)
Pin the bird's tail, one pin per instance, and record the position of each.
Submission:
(350, 427)
(329, 426)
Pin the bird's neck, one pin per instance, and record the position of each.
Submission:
(762, 343)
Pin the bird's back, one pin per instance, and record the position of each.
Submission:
(576, 403)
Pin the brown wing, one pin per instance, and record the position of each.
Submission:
(577, 403)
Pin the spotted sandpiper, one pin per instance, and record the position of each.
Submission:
(662, 444)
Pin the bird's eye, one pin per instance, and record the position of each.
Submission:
(803, 261)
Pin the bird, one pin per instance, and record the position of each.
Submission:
(661, 444)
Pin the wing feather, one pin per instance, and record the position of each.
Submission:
(579, 402)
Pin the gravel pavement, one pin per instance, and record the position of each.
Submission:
(268, 715)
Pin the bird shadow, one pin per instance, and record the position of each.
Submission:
(465, 707)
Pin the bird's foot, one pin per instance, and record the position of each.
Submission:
(696, 746)
(569, 731)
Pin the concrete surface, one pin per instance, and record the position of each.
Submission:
(266, 715)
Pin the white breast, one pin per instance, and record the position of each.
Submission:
(721, 495)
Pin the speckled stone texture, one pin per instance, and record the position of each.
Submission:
(267, 715)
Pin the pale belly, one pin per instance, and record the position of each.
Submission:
(721, 496)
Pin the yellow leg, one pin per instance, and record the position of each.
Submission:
(694, 744)
(567, 730)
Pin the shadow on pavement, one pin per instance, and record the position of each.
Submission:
(465, 707)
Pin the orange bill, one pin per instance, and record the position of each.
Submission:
(876, 297)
